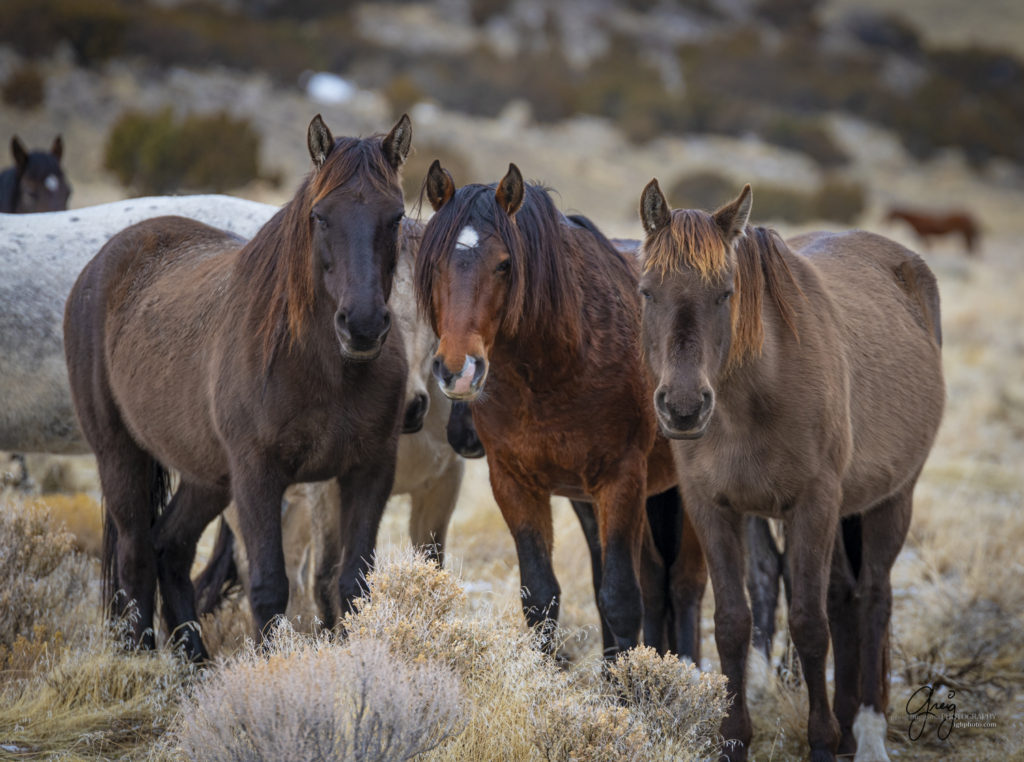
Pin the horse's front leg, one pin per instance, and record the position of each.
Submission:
(432, 507)
(258, 489)
(364, 490)
(810, 534)
(527, 512)
(620, 504)
(720, 533)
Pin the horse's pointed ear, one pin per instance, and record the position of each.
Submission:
(511, 191)
(440, 185)
(58, 148)
(18, 152)
(654, 211)
(320, 141)
(732, 218)
(397, 143)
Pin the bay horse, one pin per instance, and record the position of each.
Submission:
(538, 322)
(930, 225)
(245, 367)
(36, 182)
(799, 380)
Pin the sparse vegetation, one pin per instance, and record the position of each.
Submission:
(155, 153)
(24, 88)
(838, 200)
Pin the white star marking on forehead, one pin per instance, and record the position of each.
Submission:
(52, 183)
(468, 238)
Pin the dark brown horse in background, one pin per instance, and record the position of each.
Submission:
(800, 381)
(245, 368)
(930, 225)
(36, 182)
(543, 311)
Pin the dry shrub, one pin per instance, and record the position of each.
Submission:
(673, 697)
(155, 153)
(82, 516)
(24, 88)
(43, 583)
(310, 700)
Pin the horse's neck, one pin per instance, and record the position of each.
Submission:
(8, 190)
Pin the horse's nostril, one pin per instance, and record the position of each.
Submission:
(387, 322)
(440, 371)
(659, 398)
(341, 319)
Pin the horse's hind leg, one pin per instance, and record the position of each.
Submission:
(432, 508)
(175, 537)
(883, 529)
(843, 625)
(588, 523)
(689, 575)
(132, 483)
(764, 566)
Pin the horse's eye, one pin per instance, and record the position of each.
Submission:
(503, 266)
(646, 294)
(397, 221)
(318, 218)
(723, 297)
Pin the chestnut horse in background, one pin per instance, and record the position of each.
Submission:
(799, 380)
(245, 367)
(539, 325)
(928, 225)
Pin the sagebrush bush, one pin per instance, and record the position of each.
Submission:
(43, 582)
(156, 153)
(309, 699)
(672, 696)
(24, 88)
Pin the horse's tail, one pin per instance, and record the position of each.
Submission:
(158, 494)
(220, 573)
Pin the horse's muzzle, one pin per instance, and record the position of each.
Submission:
(692, 424)
(467, 383)
(415, 412)
(361, 343)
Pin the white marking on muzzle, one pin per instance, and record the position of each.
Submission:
(464, 378)
(52, 183)
(468, 238)
(869, 730)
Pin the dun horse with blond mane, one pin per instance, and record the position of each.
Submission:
(799, 380)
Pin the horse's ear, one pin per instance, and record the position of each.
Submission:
(19, 153)
(654, 211)
(440, 185)
(320, 141)
(397, 143)
(511, 191)
(57, 149)
(732, 218)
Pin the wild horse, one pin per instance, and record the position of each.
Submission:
(36, 182)
(543, 310)
(799, 380)
(245, 368)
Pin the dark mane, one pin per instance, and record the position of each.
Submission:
(277, 262)
(693, 240)
(545, 296)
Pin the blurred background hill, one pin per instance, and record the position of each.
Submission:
(833, 109)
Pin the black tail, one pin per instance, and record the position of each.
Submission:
(158, 495)
(219, 575)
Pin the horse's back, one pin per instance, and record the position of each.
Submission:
(147, 306)
(886, 303)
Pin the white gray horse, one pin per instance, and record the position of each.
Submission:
(41, 255)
